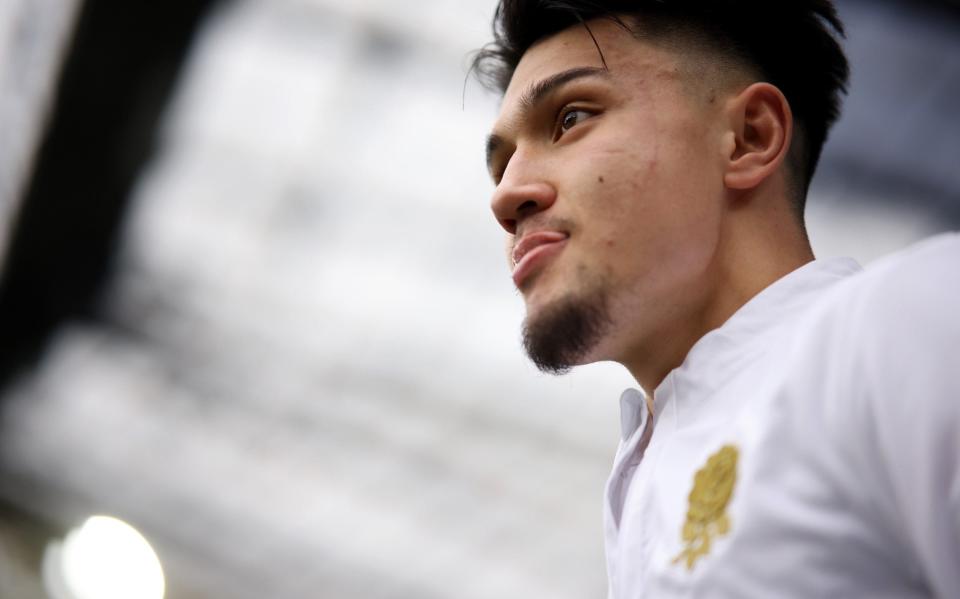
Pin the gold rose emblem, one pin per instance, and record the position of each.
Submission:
(707, 514)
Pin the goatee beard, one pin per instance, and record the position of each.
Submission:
(566, 331)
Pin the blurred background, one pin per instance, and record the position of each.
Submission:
(253, 302)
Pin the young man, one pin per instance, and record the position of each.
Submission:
(798, 435)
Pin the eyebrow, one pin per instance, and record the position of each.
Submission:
(536, 93)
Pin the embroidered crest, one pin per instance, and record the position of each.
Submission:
(707, 513)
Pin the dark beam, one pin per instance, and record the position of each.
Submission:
(116, 79)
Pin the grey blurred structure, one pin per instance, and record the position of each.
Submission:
(32, 36)
(303, 376)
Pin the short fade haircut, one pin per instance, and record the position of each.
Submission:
(792, 44)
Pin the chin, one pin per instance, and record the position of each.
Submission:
(567, 331)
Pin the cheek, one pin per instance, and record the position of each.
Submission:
(621, 184)
(655, 222)
(641, 202)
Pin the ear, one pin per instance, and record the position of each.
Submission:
(761, 126)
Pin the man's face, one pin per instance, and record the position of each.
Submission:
(610, 187)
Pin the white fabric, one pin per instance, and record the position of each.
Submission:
(840, 388)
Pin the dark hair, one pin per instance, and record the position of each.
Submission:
(792, 44)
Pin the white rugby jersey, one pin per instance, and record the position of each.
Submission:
(808, 448)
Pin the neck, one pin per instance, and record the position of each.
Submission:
(756, 248)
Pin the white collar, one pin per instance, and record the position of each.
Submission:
(719, 354)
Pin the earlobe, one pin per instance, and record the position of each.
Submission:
(762, 127)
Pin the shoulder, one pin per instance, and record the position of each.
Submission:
(906, 301)
(888, 344)
(904, 308)
(884, 342)
(926, 273)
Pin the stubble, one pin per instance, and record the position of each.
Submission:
(566, 331)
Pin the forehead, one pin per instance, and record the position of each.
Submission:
(627, 58)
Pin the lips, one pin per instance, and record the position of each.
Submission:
(533, 250)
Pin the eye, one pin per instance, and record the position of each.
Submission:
(571, 117)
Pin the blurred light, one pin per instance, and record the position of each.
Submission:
(105, 558)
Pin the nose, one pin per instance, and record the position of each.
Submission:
(512, 202)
